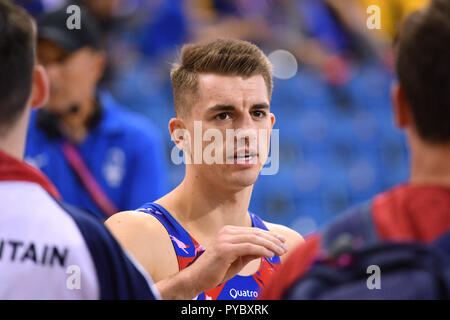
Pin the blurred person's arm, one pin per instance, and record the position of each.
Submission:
(353, 14)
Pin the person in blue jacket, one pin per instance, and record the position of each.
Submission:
(101, 157)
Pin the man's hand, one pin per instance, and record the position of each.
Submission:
(230, 251)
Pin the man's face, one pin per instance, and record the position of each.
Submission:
(236, 123)
(73, 75)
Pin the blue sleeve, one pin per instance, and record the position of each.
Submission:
(118, 276)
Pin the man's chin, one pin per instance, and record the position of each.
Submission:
(231, 177)
(242, 178)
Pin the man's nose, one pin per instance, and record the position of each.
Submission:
(246, 129)
(245, 122)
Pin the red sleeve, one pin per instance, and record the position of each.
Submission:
(292, 269)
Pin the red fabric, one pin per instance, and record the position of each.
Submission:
(405, 213)
(412, 213)
(292, 269)
(12, 169)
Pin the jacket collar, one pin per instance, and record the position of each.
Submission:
(12, 169)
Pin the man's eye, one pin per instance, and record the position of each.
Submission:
(222, 116)
(259, 114)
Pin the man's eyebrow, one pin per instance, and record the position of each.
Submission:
(262, 105)
(221, 107)
(226, 107)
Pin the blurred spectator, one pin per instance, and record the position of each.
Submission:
(100, 157)
(37, 7)
(393, 12)
(316, 31)
(165, 28)
(34, 7)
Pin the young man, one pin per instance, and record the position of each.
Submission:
(415, 212)
(47, 250)
(89, 146)
(200, 240)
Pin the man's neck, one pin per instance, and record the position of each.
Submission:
(430, 163)
(204, 209)
(13, 143)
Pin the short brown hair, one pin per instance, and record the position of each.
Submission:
(17, 58)
(423, 69)
(222, 56)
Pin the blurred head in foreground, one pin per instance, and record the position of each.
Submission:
(421, 98)
(23, 83)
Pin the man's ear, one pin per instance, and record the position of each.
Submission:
(179, 133)
(272, 120)
(401, 107)
(41, 87)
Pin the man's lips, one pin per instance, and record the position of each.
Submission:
(243, 154)
(243, 157)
